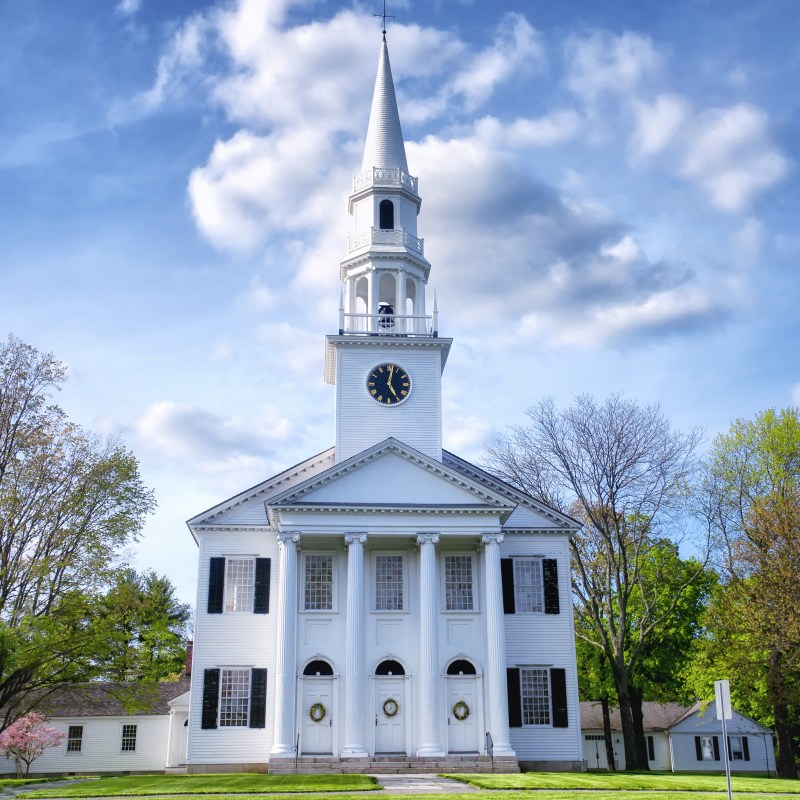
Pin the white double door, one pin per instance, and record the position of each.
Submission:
(463, 723)
(391, 713)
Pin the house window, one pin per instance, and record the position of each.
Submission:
(707, 748)
(736, 748)
(234, 698)
(239, 584)
(128, 738)
(535, 696)
(388, 583)
(528, 585)
(319, 583)
(458, 594)
(74, 738)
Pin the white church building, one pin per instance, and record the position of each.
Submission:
(384, 601)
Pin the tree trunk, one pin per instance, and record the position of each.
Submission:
(610, 760)
(785, 763)
(642, 761)
(626, 718)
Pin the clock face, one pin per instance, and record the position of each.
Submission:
(389, 384)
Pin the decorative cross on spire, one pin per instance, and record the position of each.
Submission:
(385, 17)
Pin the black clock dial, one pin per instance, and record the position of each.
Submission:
(389, 384)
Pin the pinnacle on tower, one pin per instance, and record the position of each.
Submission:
(384, 146)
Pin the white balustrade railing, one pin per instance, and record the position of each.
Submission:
(384, 176)
(399, 237)
(387, 324)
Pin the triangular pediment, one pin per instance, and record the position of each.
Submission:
(391, 475)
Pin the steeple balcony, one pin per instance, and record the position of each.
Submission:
(388, 324)
(390, 237)
(385, 178)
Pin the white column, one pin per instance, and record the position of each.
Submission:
(429, 706)
(355, 682)
(496, 691)
(285, 668)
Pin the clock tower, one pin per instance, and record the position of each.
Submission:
(387, 358)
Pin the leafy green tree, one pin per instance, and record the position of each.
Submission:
(753, 494)
(146, 627)
(625, 474)
(69, 502)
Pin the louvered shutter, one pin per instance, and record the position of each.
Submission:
(258, 698)
(698, 747)
(745, 748)
(507, 576)
(716, 748)
(514, 698)
(550, 574)
(261, 599)
(558, 697)
(210, 699)
(216, 585)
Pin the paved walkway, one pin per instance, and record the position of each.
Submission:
(421, 784)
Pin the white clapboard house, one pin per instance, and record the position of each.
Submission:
(384, 601)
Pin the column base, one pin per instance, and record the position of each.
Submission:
(430, 751)
(503, 749)
(281, 751)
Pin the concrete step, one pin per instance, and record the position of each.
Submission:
(393, 764)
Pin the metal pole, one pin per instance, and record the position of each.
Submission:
(727, 761)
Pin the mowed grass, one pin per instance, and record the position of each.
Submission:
(630, 781)
(150, 785)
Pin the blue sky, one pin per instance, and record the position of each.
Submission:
(610, 203)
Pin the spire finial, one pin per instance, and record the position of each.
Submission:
(385, 16)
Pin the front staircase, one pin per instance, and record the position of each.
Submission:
(393, 764)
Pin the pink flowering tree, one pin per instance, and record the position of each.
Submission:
(28, 737)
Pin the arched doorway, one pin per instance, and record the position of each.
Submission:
(463, 707)
(390, 705)
(317, 708)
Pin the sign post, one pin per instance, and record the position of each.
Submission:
(722, 693)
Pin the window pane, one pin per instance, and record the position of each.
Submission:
(535, 691)
(74, 738)
(389, 583)
(234, 697)
(239, 584)
(737, 753)
(319, 583)
(458, 583)
(128, 738)
(528, 585)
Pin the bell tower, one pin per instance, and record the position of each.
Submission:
(387, 358)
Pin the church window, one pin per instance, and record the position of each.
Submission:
(239, 584)
(458, 590)
(386, 215)
(128, 739)
(530, 585)
(388, 582)
(537, 696)
(74, 738)
(234, 698)
(318, 582)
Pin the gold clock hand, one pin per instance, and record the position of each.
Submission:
(389, 382)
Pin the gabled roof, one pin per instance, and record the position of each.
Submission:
(384, 146)
(510, 492)
(655, 716)
(705, 714)
(448, 491)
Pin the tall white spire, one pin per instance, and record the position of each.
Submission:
(384, 147)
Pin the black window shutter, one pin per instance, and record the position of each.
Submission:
(716, 748)
(514, 698)
(651, 749)
(507, 576)
(558, 697)
(745, 748)
(216, 585)
(698, 748)
(210, 698)
(258, 698)
(261, 599)
(730, 755)
(550, 574)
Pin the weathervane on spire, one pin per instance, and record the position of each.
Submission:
(385, 17)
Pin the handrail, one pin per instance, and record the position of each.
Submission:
(296, 750)
(387, 324)
(490, 746)
(393, 237)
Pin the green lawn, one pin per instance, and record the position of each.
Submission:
(149, 785)
(630, 781)
(11, 783)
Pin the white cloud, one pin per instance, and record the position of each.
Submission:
(730, 154)
(748, 243)
(604, 63)
(658, 123)
(128, 7)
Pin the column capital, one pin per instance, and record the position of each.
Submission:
(349, 538)
(283, 538)
(492, 538)
(427, 538)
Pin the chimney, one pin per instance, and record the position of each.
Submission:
(187, 665)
